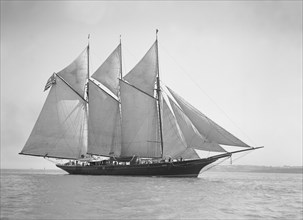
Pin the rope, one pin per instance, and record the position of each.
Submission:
(50, 160)
(214, 164)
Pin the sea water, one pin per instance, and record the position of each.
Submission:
(45, 194)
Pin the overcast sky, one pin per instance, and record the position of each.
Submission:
(239, 62)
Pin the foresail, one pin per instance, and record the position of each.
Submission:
(104, 126)
(140, 125)
(173, 140)
(209, 129)
(76, 73)
(193, 138)
(108, 73)
(143, 75)
(60, 130)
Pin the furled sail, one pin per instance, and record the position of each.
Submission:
(76, 74)
(104, 126)
(173, 139)
(108, 73)
(60, 130)
(193, 138)
(209, 129)
(140, 133)
(143, 75)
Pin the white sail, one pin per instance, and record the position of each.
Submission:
(104, 127)
(143, 75)
(140, 126)
(189, 153)
(76, 73)
(108, 73)
(60, 130)
(209, 129)
(173, 140)
(193, 138)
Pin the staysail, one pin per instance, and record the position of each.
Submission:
(208, 128)
(173, 139)
(192, 136)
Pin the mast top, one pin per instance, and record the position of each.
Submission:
(157, 34)
(120, 38)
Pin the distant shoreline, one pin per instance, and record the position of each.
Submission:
(257, 169)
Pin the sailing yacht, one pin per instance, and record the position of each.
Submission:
(109, 124)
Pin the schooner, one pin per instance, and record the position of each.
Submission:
(108, 124)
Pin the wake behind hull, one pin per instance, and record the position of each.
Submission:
(189, 168)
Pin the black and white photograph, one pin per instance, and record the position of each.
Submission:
(151, 109)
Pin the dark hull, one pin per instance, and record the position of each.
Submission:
(189, 168)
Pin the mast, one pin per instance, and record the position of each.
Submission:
(159, 93)
(88, 57)
(87, 90)
(120, 56)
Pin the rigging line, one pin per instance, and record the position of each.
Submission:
(244, 154)
(110, 95)
(71, 88)
(127, 83)
(215, 164)
(70, 126)
(188, 75)
(213, 125)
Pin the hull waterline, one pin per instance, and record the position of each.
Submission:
(190, 168)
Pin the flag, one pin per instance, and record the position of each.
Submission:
(50, 82)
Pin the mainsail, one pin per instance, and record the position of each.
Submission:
(140, 133)
(140, 119)
(208, 128)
